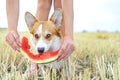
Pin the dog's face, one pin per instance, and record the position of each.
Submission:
(45, 33)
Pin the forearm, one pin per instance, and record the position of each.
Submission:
(12, 9)
(43, 9)
(67, 6)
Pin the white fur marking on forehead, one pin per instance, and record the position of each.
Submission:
(40, 29)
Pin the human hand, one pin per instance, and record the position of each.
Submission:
(12, 38)
(66, 49)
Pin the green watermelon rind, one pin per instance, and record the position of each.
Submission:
(46, 61)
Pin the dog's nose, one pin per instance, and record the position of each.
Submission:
(40, 50)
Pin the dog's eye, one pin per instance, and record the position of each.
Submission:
(36, 36)
(48, 35)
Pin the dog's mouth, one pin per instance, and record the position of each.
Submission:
(45, 52)
(40, 53)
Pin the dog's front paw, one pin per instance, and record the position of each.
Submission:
(31, 72)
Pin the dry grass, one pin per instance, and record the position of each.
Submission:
(97, 57)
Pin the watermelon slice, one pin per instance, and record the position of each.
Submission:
(40, 58)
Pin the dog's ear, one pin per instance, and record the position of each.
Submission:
(30, 20)
(57, 17)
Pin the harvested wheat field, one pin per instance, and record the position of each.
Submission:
(97, 57)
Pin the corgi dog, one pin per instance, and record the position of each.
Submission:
(47, 35)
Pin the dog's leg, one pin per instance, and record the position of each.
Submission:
(31, 71)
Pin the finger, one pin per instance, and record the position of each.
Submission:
(62, 49)
(67, 52)
(66, 57)
(62, 56)
(17, 40)
(8, 40)
(13, 43)
(72, 48)
(15, 46)
(16, 37)
(10, 43)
